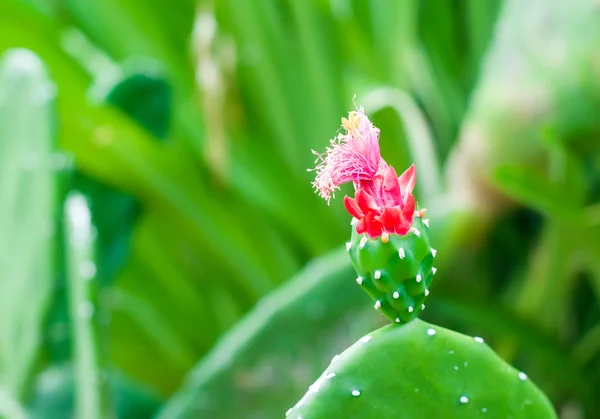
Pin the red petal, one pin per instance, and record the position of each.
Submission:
(373, 227)
(389, 218)
(407, 181)
(409, 208)
(360, 227)
(352, 207)
(366, 201)
(391, 188)
(402, 226)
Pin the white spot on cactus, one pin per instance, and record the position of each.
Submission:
(354, 221)
(451, 352)
(433, 270)
(366, 338)
(288, 412)
(426, 292)
(431, 332)
(478, 339)
(484, 409)
(465, 364)
(335, 358)
(396, 295)
(401, 253)
(410, 309)
(422, 306)
(415, 232)
(330, 375)
(359, 280)
(363, 241)
(397, 319)
(464, 399)
(433, 252)
(456, 367)
(377, 305)
(355, 393)
(522, 376)
(348, 246)
(419, 278)
(377, 274)
(426, 222)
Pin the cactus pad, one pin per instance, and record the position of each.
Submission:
(418, 370)
(395, 270)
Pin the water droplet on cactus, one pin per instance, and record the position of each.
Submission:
(355, 393)
(478, 339)
(397, 320)
(464, 399)
(396, 295)
(401, 253)
(419, 278)
(377, 274)
(377, 305)
(359, 280)
(431, 332)
(348, 246)
(410, 309)
(522, 376)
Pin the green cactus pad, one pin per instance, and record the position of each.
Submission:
(418, 370)
(396, 274)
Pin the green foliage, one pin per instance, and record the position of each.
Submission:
(28, 211)
(420, 370)
(397, 274)
(296, 329)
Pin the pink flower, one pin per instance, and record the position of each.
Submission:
(384, 204)
(351, 157)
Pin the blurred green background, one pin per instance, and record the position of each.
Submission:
(162, 253)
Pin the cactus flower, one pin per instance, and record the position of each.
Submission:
(383, 202)
(351, 157)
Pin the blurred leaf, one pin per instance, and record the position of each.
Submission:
(53, 397)
(535, 190)
(28, 210)
(88, 358)
(259, 368)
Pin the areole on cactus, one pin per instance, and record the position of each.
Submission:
(410, 369)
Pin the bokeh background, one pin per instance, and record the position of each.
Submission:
(162, 253)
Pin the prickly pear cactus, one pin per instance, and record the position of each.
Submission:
(395, 270)
(411, 369)
(418, 370)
